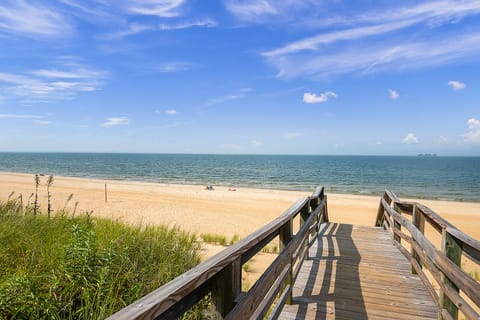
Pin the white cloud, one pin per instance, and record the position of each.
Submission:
(410, 139)
(457, 85)
(256, 144)
(238, 94)
(116, 121)
(206, 23)
(250, 9)
(136, 28)
(473, 124)
(323, 97)
(473, 136)
(160, 8)
(393, 94)
(21, 116)
(223, 99)
(132, 29)
(171, 112)
(273, 11)
(46, 85)
(169, 67)
(32, 19)
(368, 47)
(313, 43)
(380, 56)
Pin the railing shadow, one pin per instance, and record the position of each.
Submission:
(333, 286)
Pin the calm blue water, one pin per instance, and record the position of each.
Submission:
(450, 178)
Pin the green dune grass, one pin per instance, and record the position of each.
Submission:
(83, 267)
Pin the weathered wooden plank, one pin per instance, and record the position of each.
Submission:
(453, 251)
(448, 268)
(226, 288)
(419, 222)
(357, 273)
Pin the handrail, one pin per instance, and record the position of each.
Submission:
(442, 263)
(221, 275)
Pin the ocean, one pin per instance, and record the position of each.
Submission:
(430, 177)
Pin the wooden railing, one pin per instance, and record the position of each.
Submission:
(221, 275)
(457, 291)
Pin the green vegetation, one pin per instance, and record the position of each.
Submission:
(219, 239)
(69, 267)
(234, 239)
(246, 267)
(214, 239)
(270, 249)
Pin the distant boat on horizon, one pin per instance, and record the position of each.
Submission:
(426, 155)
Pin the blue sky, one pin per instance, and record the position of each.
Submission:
(231, 76)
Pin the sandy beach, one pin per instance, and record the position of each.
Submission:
(224, 211)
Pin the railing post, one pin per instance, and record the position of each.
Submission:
(397, 225)
(226, 288)
(327, 219)
(313, 204)
(453, 251)
(380, 212)
(304, 213)
(285, 235)
(418, 220)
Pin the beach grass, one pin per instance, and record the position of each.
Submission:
(214, 238)
(81, 267)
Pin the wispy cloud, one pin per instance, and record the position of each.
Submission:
(160, 8)
(256, 143)
(171, 112)
(137, 28)
(410, 138)
(46, 85)
(238, 94)
(130, 30)
(457, 85)
(223, 99)
(21, 116)
(205, 23)
(174, 66)
(369, 46)
(264, 11)
(116, 121)
(250, 10)
(39, 119)
(473, 135)
(380, 57)
(322, 97)
(314, 43)
(393, 94)
(32, 19)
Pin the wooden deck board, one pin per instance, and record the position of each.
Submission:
(355, 272)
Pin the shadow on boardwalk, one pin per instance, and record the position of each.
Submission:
(325, 295)
(355, 272)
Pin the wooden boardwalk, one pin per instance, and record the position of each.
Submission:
(333, 271)
(355, 272)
